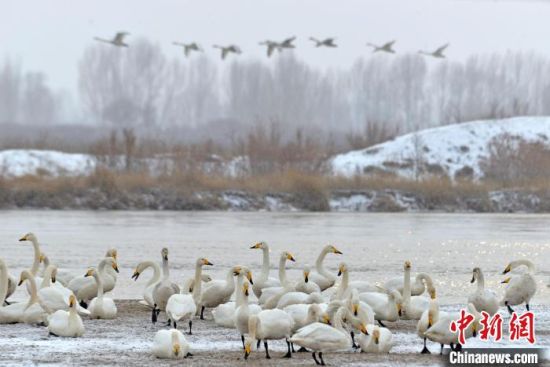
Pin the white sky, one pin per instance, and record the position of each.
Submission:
(50, 35)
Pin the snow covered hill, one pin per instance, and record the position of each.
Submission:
(444, 150)
(20, 162)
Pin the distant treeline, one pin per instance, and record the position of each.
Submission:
(140, 87)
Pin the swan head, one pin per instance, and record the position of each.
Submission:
(260, 245)
(376, 335)
(288, 256)
(355, 308)
(342, 269)
(407, 265)
(42, 257)
(72, 300)
(28, 237)
(245, 288)
(24, 276)
(248, 346)
(325, 318)
(164, 254)
(203, 261)
(136, 274)
(111, 253)
(432, 292)
(54, 273)
(363, 328)
(176, 347)
(475, 274)
(113, 263)
(333, 249)
(90, 272)
(506, 281)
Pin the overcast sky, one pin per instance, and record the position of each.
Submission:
(50, 35)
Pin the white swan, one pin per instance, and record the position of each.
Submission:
(422, 282)
(66, 323)
(29, 312)
(322, 277)
(33, 313)
(165, 288)
(359, 313)
(386, 306)
(264, 280)
(271, 296)
(36, 260)
(118, 39)
(429, 318)
(304, 285)
(218, 292)
(303, 315)
(342, 290)
(244, 310)
(268, 325)
(379, 340)
(148, 290)
(440, 332)
(101, 307)
(10, 287)
(62, 276)
(85, 288)
(521, 288)
(184, 306)
(483, 299)
(224, 314)
(7, 315)
(170, 344)
(321, 338)
(413, 306)
(55, 296)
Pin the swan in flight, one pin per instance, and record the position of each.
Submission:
(321, 338)
(264, 280)
(322, 277)
(101, 307)
(188, 47)
(268, 325)
(118, 40)
(386, 47)
(521, 288)
(66, 323)
(170, 344)
(438, 53)
(327, 42)
(226, 50)
(288, 43)
(483, 299)
(271, 46)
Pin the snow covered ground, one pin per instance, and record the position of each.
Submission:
(20, 162)
(452, 148)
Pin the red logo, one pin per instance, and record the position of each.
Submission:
(461, 325)
(523, 327)
(491, 326)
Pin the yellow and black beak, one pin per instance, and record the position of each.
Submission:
(24, 238)
(339, 272)
(355, 309)
(206, 262)
(473, 279)
(246, 351)
(506, 281)
(336, 251)
(20, 282)
(53, 278)
(249, 277)
(89, 273)
(399, 310)
(256, 246)
(290, 257)
(306, 276)
(115, 266)
(507, 270)
(363, 329)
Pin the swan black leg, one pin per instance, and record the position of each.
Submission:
(452, 346)
(321, 358)
(315, 359)
(441, 352)
(190, 327)
(6, 303)
(510, 309)
(353, 344)
(425, 350)
(258, 343)
(458, 347)
(154, 314)
(381, 323)
(302, 350)
(175, 325)
(267, 356)
(188, 355)
(292, 346)
(288, 352)
(202, 312)
(527, 306)
(168, 323)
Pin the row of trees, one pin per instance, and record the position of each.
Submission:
(384, 94)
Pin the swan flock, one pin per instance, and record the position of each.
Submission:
(322, 312)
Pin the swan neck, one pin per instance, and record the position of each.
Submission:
(99, 282)
(46, 278)
(319, 263)
(34, 291)
(239, 295)
(165, 269)
(407, 286)
(36, 262)
(253, 325)
(197, 287)
(282, 271)
(529, 264)
(344, 285)
(156, 272)
(480, 280)
(265, 264)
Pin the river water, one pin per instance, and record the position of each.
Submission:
(374, 246)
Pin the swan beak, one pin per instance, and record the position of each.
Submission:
(206, 262)
(507, 270)
(363, 329)
(246, 292)
(256, 246)
(376, 340)
(135, 276)
(176, 348)
(24, 238)
(89, 273)
(473, 279)
(506, 281)
(290, 257)
(72, 301)
(430, 321)
(246, 351)
(326, 319)
(399, 310)
(116, 268)
(42, 257)
(355, 309)
(53, 279)
(306, 276)
(339, 272)
(474, 330)
(336, 251)
(20, 282)
(249, 277)
(165, 257)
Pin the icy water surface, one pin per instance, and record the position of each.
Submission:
(374, 246)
